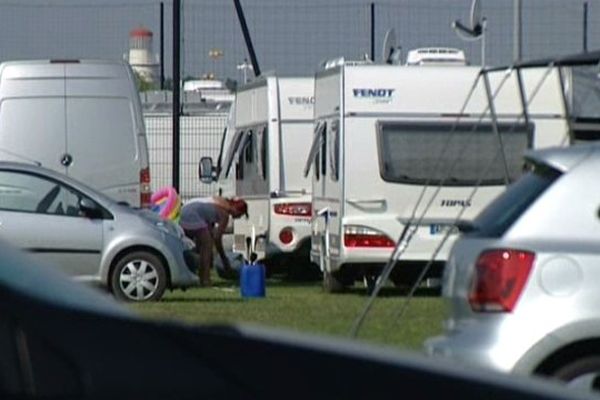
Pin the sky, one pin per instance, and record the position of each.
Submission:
(291, 37)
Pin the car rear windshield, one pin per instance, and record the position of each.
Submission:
(451, 154)
(501, 213)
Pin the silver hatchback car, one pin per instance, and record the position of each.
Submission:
(132, 252)
(523, 281)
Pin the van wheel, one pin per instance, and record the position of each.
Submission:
(583, 373)
(331, 284)
(139, 276)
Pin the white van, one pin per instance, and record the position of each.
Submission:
(380, 131)
(79, 117)
(272, 130)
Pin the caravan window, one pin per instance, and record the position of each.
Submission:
(241, 148)
(452, 154)
(249, 149)
(261, 152)
(585, 104)
(334, 149)
(239, 170)
(313, 155)
(233, 150)
(323, 153)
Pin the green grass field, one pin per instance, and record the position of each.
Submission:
(305, 307)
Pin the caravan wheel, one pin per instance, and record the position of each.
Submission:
(331, 284)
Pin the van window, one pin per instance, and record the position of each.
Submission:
(503, 211)
(452, 154)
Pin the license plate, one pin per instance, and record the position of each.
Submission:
(440, 229)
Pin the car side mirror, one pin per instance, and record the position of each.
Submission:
(206, 170)
(90, 209)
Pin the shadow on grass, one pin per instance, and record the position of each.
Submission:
(274, 281)
(199, 299)
(390, 292)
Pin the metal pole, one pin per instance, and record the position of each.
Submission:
(492, 108)
(176, 87)
(585, 26)
(162, 46)
(373, 31)
(247, 38)
(483, 34)
(566, 105)
(517, 31)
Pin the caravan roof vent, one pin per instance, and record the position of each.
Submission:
(336, 62)
(436, 56)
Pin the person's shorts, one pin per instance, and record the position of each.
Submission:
(191, 221)
(193, 233)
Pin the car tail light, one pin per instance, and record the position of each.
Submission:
(500, 276)
(145, 191)
(286, 236)
(360, 236)
(293, 209)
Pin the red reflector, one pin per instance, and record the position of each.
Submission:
(500, 276)
(286, 236)
(145, 191)
(145, 199)
(145, 175)
(362, 240)
(294, 209)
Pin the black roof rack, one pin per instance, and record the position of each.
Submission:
(578, 59)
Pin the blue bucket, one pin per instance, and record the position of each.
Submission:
(252, 280)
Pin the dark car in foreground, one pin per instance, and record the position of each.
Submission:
(63, 340)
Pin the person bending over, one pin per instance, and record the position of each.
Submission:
(204, 221)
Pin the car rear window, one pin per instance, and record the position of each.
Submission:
(501, 213)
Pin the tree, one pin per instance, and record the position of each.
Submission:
(142, 84)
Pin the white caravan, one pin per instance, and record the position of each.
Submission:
(273, 129)
(389, 137)
(82, 118)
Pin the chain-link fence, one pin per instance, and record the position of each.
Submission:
(294, 37)
(291, 37)
(201, 130)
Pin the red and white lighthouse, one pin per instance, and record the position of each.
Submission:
(140, 54)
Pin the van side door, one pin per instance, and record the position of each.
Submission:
(102, 130)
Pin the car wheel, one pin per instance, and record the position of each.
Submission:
(583, 373)
(139, 276)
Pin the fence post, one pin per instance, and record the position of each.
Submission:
(517, 30)
(176, 91)
(246, 33)
(373, 32)
(585, 26)
(162, 45)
